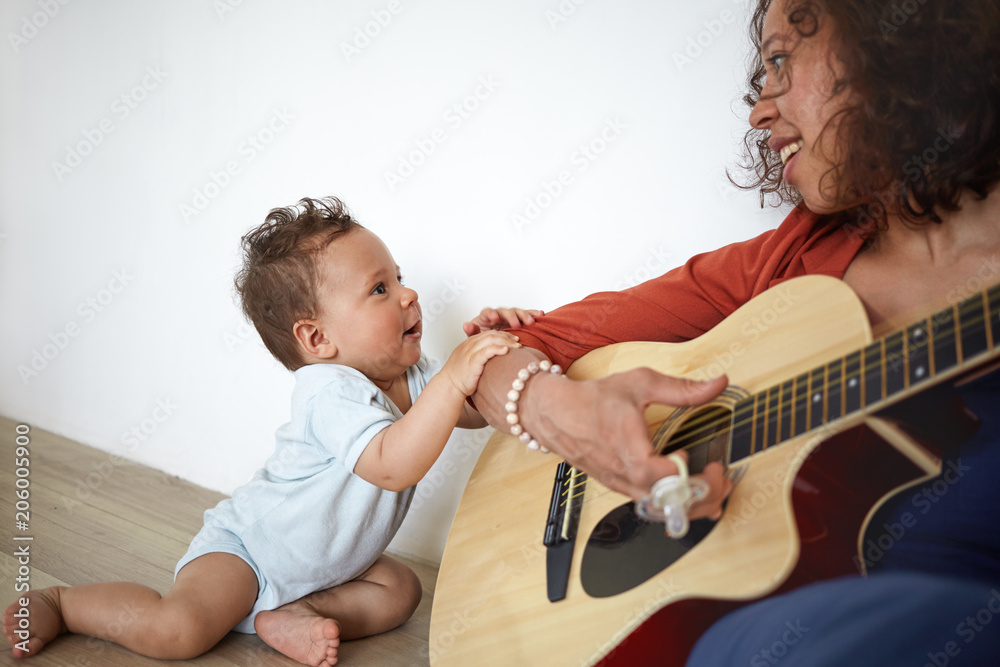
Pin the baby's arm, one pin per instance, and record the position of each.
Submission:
(401, 454)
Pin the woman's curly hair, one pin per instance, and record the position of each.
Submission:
(925, 122)
(278, 282)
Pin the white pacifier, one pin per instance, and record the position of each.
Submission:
(670, 498)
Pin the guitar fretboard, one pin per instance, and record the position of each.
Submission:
(909, 359)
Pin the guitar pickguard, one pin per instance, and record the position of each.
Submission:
(625, 551)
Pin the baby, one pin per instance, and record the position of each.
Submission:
(296, 555)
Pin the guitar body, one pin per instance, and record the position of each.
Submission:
(797, 513)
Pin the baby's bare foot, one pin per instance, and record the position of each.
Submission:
(297, 631)
(29, 628)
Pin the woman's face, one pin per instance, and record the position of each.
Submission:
(799, 108)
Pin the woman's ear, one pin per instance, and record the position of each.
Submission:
(313, 341)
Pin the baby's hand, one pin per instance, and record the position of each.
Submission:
(465, 365)
(500, 318)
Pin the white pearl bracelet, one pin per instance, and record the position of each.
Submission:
(514, 394)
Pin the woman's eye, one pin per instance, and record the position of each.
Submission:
(777, 61)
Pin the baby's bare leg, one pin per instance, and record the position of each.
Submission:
(311, 628)
(210, 596)
(382, 598)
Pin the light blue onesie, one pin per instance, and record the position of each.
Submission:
(306, 522)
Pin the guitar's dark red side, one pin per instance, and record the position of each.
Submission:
(832, 495)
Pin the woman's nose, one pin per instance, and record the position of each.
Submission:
(763, 113)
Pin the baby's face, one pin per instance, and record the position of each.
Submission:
(372, 319)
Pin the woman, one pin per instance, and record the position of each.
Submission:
(881, 121)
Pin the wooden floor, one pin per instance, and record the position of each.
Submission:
(95, 517)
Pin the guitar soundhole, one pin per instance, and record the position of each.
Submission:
(625, 551)
(704, 434)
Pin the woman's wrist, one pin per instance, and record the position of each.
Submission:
(494, 383)
(535, 408)
(518, 386)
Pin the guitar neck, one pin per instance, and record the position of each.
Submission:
(943, 345)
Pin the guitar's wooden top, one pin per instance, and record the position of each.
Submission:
(490, 605)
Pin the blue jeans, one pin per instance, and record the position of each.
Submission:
(893, 618)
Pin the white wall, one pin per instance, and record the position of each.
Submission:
(140, 140)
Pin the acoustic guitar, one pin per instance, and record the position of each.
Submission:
(820, 426)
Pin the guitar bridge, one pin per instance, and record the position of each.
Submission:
(561, 526)
(564, 507)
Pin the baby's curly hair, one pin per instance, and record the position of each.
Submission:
(926, 124)
(278, 282)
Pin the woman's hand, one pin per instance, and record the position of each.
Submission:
(500, 318)
(599, 427)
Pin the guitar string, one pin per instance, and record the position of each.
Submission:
(722, 424)
(706, 421)
(571, 488)
(573, 483)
